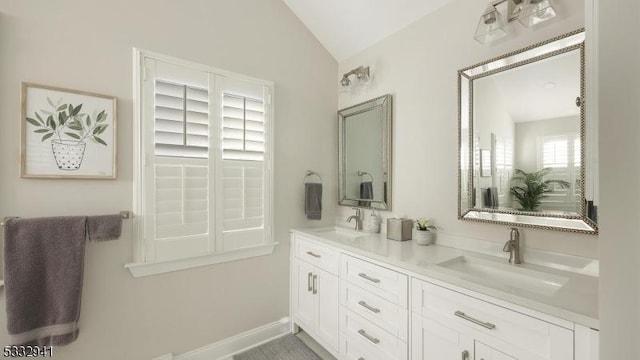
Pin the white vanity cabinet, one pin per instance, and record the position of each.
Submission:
(448, 325)
(360, 307)
(315, 291)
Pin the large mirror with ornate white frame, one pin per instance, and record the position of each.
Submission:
(527, 149)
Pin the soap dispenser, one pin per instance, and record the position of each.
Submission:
(372, 223)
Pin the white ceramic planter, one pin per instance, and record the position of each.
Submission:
(422, 237)
(68, 153)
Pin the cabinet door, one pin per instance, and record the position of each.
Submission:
(327, 300)
(434, 341)
(303, 297)
(484, 352)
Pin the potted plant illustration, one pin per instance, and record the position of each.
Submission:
(529, 189)
(68, 130)
(425, 231)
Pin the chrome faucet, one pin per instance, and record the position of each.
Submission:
(358, 217)
(513, 247)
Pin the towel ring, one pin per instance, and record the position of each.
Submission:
(311, 173)
(363, 173)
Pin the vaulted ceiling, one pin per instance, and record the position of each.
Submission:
(346, 27)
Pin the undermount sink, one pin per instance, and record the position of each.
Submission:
(503, 276)
(338, 234)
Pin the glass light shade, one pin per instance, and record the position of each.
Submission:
(490, 27)
(536, 11)
(363, 79)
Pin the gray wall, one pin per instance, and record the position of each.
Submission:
(619, 70)
(87, 45)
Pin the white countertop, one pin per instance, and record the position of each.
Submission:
(576, 301)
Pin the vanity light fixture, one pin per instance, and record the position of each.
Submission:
(528, 12)
(362, 76)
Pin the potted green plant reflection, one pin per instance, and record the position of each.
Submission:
(529, 189)
(69, 129)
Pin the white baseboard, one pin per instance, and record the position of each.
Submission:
(164, 357)
(225, 349)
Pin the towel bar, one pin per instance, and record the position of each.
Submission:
(124, 214)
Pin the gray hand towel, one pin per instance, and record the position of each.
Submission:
(43, 270)
(313, 201)
(104, 227)
(366, 192)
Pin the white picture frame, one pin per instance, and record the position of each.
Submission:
(67, 134)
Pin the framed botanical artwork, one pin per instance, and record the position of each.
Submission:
(67, 133)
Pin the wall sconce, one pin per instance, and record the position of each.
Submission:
(362, 77)
(528, 12)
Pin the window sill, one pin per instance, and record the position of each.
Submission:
(160, 267)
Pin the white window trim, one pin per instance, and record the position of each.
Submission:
(139, 267)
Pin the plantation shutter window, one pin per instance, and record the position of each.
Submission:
(555, 152)
(203, 173)
(562, 154)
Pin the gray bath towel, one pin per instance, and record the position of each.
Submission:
(104, 227)
(43, 270)
(313, 201)
(491, 197)
(366, 192)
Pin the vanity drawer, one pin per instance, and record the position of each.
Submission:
(464, 312)
(383, 313)
(353, 348)
(386, 283)
(321, 256)
(371, 339)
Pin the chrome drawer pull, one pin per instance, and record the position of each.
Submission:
(365, 276)
(309, 286)
(315, 284)
(487, 325)
(368, 307)
(314, 255)
(368, 337)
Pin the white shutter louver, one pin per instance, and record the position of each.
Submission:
(243, 130)
(181, 200)
(554, 152)
(181, 120)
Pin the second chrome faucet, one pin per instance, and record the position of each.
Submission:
(513, 247)
(357, 217)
